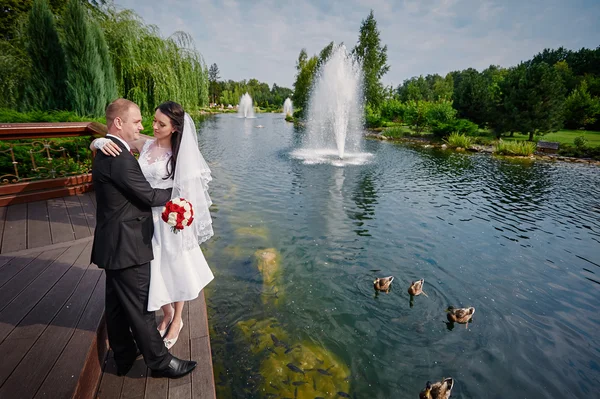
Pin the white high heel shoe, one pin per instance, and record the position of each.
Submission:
(163, 332)
(170, 342)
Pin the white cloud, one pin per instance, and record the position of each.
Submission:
(262, 38)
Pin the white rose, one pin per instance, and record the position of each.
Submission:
(187, 206)
(172, 219)
(176, 201)
(187, 215)
(185, 222)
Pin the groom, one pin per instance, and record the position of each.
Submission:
(123, 248)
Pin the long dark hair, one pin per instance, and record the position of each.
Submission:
(176, 114)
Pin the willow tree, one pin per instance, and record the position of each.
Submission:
(46, 87)
(110, 81)
(86, 88)
(150, 69)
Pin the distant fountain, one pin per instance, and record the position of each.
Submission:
(287, 107)
(246, 108)
(335, 118)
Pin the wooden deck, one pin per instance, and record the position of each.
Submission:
(52, 333)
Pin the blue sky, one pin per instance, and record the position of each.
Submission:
(262, 38)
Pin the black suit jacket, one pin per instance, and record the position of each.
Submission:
(124, 227)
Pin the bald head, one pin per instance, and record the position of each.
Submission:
(123, 119)
(118, 108)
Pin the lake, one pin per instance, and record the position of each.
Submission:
(292, 309)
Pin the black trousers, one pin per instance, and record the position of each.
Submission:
(129, 322)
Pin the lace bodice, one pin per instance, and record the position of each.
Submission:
(153, 161)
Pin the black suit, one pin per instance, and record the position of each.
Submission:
(123, 247)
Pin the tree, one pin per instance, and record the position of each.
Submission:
(110, 81)
(325, 54)
(213, 78)
(581, 109)
(533, 99)
(47, 86)
(304, 78)
(470, 95)
(87, 90)
(373, 57)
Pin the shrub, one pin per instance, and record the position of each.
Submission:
(392, 110)
(580, 142)
(416, 113)
(394, 132)
(459, 140)
(520, 148)
(372, 118)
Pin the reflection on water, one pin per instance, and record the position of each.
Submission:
(518, 240)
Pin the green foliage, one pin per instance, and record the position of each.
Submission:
(459, 140)
(395, 132)
(428, 88)
(47, 85)
(581, 109)
(373, 57)
(14, 69)
(416, 115)
(151, 69)
(372, 117)
(12, 116)
(441, 118)
(580, 142)
(110, 81)
(213, 80)
(86, 88)
(579, 152)
(304, 79)
(518, 148)
(471, 95)
(392, 110)
(533, 99)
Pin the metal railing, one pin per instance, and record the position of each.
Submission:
(39, 151)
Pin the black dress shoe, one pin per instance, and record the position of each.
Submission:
(123, 369)
(177, 368)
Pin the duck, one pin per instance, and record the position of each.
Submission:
(383, 283)
(439, 390)
(416, 288)
(460, 315)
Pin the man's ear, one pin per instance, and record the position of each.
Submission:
(118, 122)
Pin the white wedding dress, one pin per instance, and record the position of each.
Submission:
(175, 275)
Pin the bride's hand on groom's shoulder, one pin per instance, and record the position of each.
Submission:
(108, 147)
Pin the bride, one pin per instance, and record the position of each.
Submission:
(179, 270)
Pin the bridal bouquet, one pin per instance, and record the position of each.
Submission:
(178, 213)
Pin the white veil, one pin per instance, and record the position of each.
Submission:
(191, 179)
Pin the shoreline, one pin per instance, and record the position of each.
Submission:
(488, 149)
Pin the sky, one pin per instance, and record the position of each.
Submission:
(262, 38)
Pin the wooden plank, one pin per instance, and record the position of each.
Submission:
(26, 276)
(13, 313)
(78, 219)
(46, 184)
(180, 391)
(28, 376)
(14, 237)
(111, 384)
(22, 338)
(60, 224)
(36, 251)
(89, 379)
(62, 380)
(156, 388)
(38, 225)
(13, 199)
(134, 384)
(198, 317)
(181, 349)
(2, 218)
(203, 380)
(89, 211)
(14, 266)
(92, 196)
(4, 260)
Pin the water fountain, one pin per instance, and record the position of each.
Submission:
(246, 108)
(287, 107)
(335, 117)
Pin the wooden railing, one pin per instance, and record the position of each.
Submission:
(35, 166)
